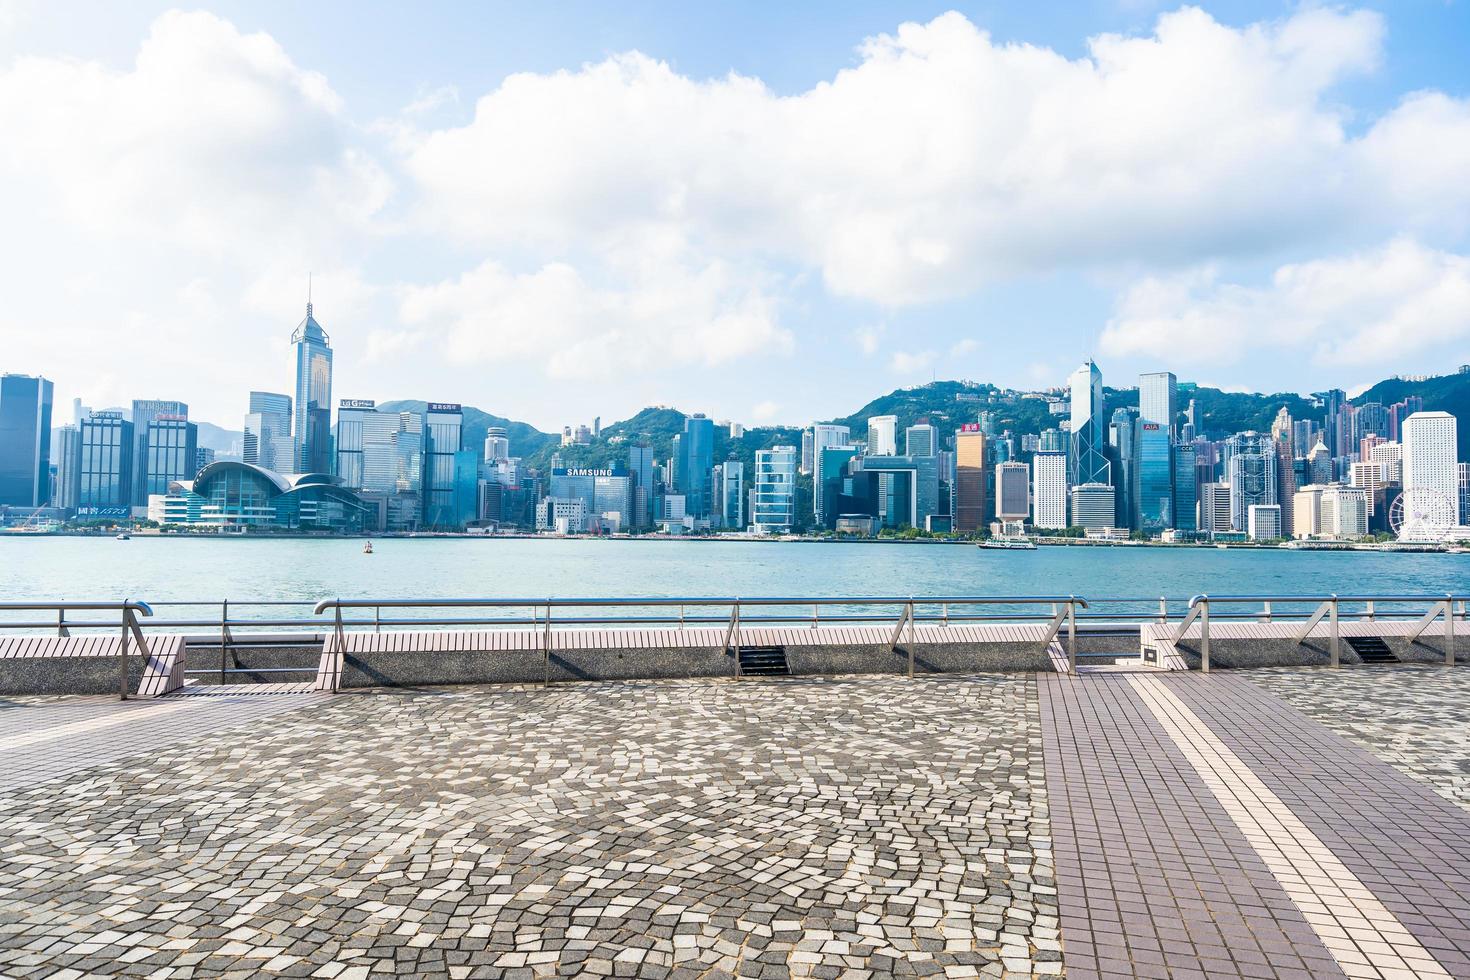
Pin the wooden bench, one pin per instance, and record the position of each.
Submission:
(162, 666)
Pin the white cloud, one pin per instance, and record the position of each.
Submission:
(1376, 308)
(665, 314)
(869, 337)
(943, 160)
(964, 346)
(912, 362)
(765, 411)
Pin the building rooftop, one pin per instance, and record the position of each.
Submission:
(1264, 823)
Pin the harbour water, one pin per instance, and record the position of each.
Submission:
(158, 569)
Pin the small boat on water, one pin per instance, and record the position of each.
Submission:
(367, 547)
(125, 536)
(1009, 544)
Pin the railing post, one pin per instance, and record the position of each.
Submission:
(61, 622)
(1266, 608)
(1369, 610)
(944, 610)
(1332, 619)
(340, 660)
(1204, 635)
(1163, 611)
(815, 614)
(224, 617)
(123, 654)
(681, 615)
(909, 613)
(546, 646)
(377, 619)
(1449, 630)
(1071, 634)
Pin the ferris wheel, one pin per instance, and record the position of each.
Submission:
(1422, 514)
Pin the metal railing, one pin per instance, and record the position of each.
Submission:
(128, 611)
(1330, 608)
(1062, 610)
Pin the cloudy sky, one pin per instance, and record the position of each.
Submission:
(560, 211)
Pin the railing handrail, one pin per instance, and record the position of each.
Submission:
(128, 605)
(585, 602)
(1329, 597)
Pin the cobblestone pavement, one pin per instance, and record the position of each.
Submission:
(1415, 717)
(860, 827)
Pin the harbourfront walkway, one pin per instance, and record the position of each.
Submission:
(1273, 823)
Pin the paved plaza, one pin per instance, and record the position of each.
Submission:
(1274, 823)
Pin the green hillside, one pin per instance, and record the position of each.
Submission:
(525, 439)
(1447, 393)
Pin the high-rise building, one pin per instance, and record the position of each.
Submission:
(1250, 459)
(1345, 512)
(1463, 469)
(1370, 419)
(1152, 492)
(640, 467)
(1431, 478)
(730, 490)
(1399, 411)
(1122, 461)
(267, 439)
(25, 440)
(808, 451)
(1012, 491)
(145, 411)
(1214, 508)
(1049, 471)
(444, 425)
(1263, 522)
(828, 480)
(68, 468)
(920, 439)
(825, 436)
(106, 474)
(312, 426)
(692, 477)
(1087, 461)
(1093, 506)
(883, 435)
(969, 480)
(1185, 489)
(170, 446)
(497, 444)
(1158, 399)
(773, 505)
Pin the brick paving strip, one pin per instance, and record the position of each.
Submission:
(1217, 834)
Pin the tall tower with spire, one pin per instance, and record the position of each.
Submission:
(311, 432)
(1087, 462)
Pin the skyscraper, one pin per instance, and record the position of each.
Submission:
(1251, 472)
(106, 475)
(920, 439)
(808, 450)
(1431, 478)
(68, 468)
(1153, 478)
(640, 467)
(697, 447)
(25, 440)
(883, 435)
(497, 444)
(773, 507)
(170, 449)
(730, 489)
(145, 412)
(1012, 491)
(444, 426)
(969, 481)
(1185, 492)
(267, 439)
(1158, 399)
(311, 431)
(1049, 471)
(1087, 462)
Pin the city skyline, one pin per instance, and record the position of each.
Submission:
(221, 157)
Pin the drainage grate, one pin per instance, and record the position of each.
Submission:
(1371, 649)
(764, 662)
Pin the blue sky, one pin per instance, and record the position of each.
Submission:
(767, 212)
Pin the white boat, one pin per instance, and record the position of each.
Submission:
(367, 548)
(1009, 544)
(124, 537)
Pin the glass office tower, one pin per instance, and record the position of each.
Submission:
(106, 472)
(25, 440)
(1153, 478)
(313, 422)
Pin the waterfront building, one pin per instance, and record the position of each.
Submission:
(68, 468)
(1158, 399)
(1251, 471)
(730, 491)
(969, 482)
(105, 480)
(921, 439)
(1122, 461)
(1371, 478)
(1307, 511)
(444, 435)
(25, 440)
(381, 454)
(831, 481)
(561, 515)
(1345, 512)
(773, 506)
(1430, 473)
(203, 456)
(267, 439)
(1087, 461)
(808, 451)
(1152, 492)
(1049, 470)
(1285, 478)
(1391, 456)
(171, 449)
(641, 468)
(1093, 506)
(497, 444)
(1012, 491)
(230, 493)
(1214, 508)
(694, 459)
(1263, 523)
(312, 425)
(1186, 493)
(883, 435)
(144, 412)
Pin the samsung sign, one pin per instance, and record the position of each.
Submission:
(444, 406)
(357, 403)
(585, 472)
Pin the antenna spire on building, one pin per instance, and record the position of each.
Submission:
(308, 294)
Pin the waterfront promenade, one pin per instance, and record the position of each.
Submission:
(1289, 822)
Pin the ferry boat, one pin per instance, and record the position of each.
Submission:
(1008, 544)
(367, 547)
(125, 536)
